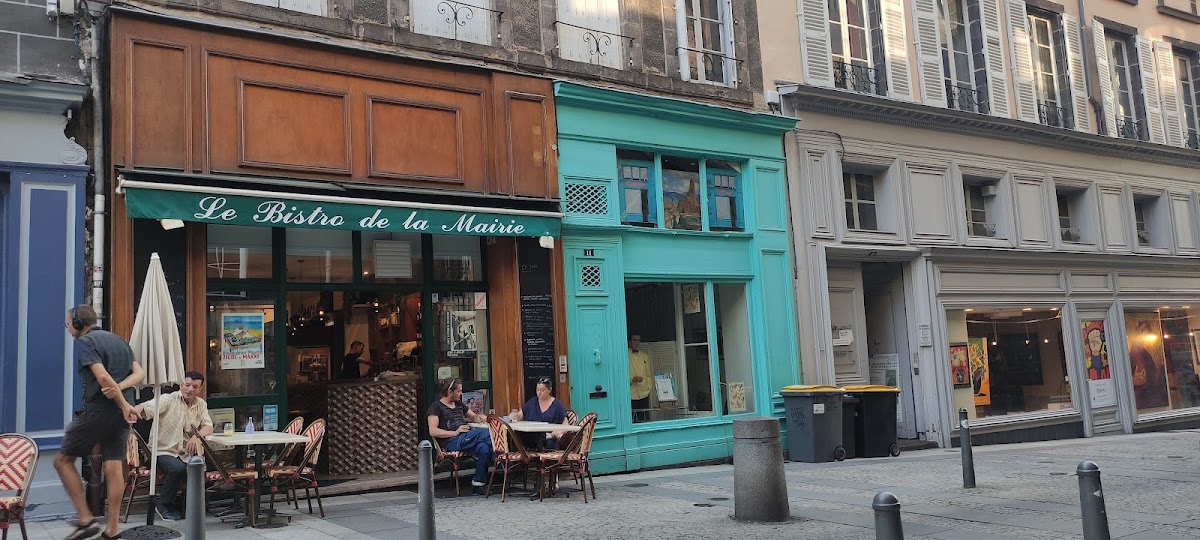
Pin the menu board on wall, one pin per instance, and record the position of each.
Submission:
(537, 314)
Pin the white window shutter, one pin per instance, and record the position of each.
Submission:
(929, 53)
(601, 44)
(895, 46)
(1168, 86)
(454, 19)
(1109, 99)
(814, 43)
(993, 51)
(1018, 32)
(1154, 115)
(1079, 98)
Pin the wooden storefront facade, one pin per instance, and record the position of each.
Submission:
(242, 115)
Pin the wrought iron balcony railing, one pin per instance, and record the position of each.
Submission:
(1128, 128)
(859, 78)
(1193, 140)
(965, 98)
(1054, 116)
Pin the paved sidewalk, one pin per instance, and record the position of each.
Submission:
(1026, 491)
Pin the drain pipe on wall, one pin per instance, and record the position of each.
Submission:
(99, 210)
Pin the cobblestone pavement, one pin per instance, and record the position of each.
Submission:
(1025, 491)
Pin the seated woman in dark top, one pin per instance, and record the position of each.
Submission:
(542, 408)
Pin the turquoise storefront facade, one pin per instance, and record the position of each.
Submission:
(726, 288)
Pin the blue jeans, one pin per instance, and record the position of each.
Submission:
(477, 442)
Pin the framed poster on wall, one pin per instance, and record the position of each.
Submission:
(960, 366)
(1095, 360)
(977, 356)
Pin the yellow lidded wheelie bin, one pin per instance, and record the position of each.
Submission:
(875, 426)
(814, 422)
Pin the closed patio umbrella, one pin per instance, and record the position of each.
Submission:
(155, 343)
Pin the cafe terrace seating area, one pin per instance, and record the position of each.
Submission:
(286, 462)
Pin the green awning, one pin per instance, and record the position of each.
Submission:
(230, 206)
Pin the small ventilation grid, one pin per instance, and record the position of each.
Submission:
(589, 276)
(587, 199)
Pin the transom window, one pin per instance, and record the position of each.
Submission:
(676, 192)
(706, 42)
(858, 189)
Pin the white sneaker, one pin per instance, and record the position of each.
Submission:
(477, 484)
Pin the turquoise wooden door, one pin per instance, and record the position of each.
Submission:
(597, 364)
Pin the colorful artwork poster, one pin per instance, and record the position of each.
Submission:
(681, 199)
(977, 357)
(476, 401)
(242, 341)
(1101, 389)
(1143, 333)
(1095, 347)
(960, 365)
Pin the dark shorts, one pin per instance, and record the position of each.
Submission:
(106, 428)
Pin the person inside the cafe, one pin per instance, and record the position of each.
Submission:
(181, 416)
(449, 420)
(352, 360)
(543, 407)
(639, 379)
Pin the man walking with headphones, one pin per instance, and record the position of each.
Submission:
(102, 358)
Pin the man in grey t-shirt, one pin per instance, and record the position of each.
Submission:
(102, 357)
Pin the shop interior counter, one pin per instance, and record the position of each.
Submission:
(372, 425)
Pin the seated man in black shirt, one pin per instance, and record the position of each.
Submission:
(448, 419)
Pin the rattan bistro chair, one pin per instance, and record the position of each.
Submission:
(241, 482)
(455, 459)
(137, 459)
(304, 475)
(574, 458)
(509, 454)
(18, 459)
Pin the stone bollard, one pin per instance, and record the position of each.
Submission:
(1091, 502)
(887, 517)
(425, 526)
(194, 529)
(964, 443)
(759, 484)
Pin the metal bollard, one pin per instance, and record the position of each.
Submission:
(887, 517)
(964, 443)
(425, 527)
(1091, 502)
(194, 529)
(759, 484)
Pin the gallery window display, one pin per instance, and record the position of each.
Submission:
(1009, 360)
(1163, 351)
(687, 343)
(686, 184)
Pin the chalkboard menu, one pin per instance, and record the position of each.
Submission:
(537, 313)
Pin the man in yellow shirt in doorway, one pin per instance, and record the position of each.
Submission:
(639, 379)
